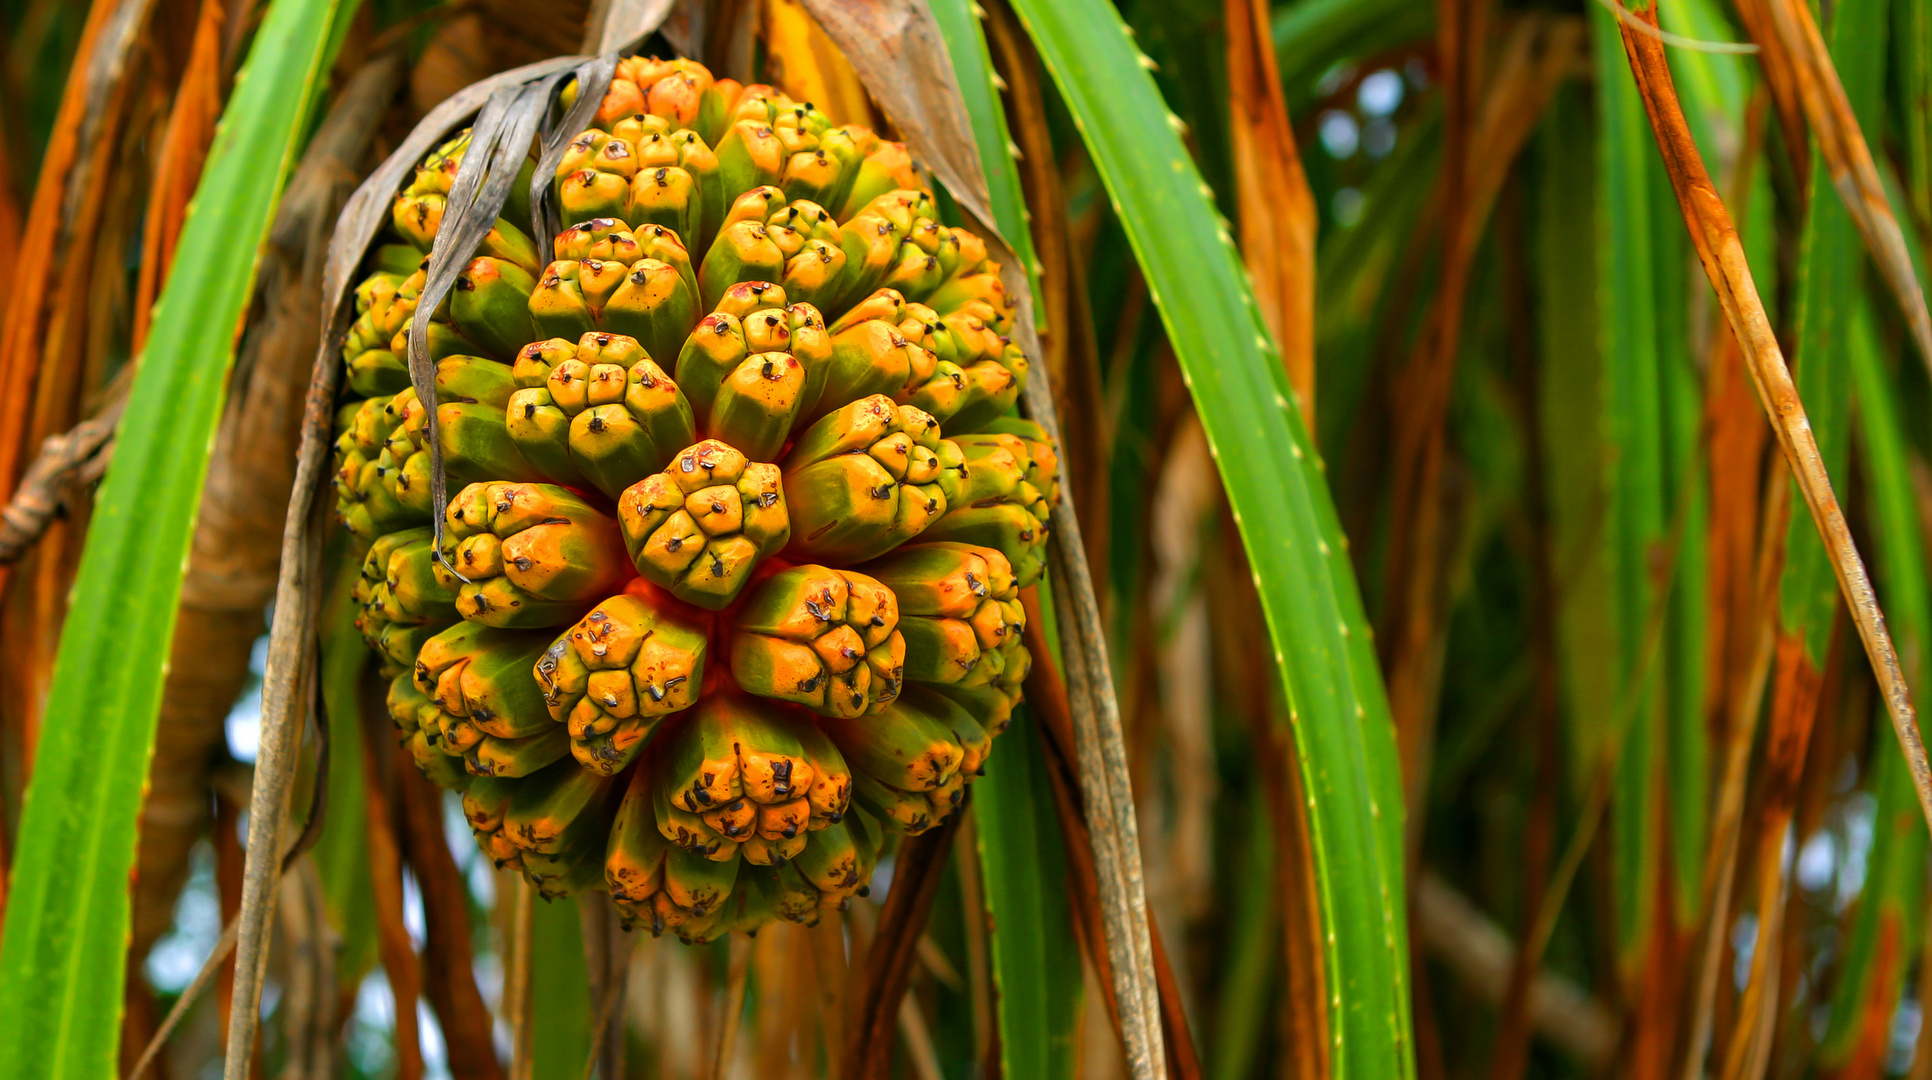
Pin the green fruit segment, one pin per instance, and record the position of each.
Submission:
(863, 480)
(606, 416)
(701, 526)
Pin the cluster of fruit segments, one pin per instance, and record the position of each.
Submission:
(737, 513)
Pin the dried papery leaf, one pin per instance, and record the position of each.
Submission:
(177, 167)
(624, 21)
(1277, 210)
(1723, 257)
(590, 74)
(499, 141)
(1848, 160)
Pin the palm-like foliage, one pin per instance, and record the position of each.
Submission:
(1632, 785)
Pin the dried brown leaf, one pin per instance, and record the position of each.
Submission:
(177, 166)
(1277, 210)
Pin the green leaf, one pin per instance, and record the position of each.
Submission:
(1570, 389)
(342, 851)
(61, 961)
(1831, 260)
(1650, 421)
(560, 1006)
(973, 64)
(1036, 958)
(1275, 484)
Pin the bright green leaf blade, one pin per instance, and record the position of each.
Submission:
(342, 851)
(61, 961)
(1036, 958)
(973, 64)
(560, 1007)
(1280, 500)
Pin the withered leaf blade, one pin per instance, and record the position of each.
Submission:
(593, 80)
(499, 141)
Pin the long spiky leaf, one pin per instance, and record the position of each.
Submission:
(1280, 500)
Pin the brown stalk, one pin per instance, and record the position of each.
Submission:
(979, 962)
(917, 1036)
(1794, 704)
(1782, 81)
(607, 953)
(1046, 695)
(449, 979)
(308, 980)
(1716, 241)
(1171, 653)
(393, 946)
(64, 462)
(1744, 696)
(1509, 1056)
(1277, 209)
(1453, 930)
(9, 213)
(889, 959)
(1922, 1052)
(1745, 561)
(99, 60)
(516, 996)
